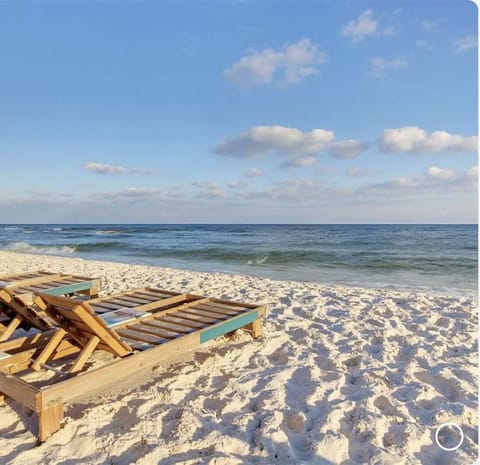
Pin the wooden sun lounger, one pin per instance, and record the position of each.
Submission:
(17, 293)
(142, 341)
(30, 284)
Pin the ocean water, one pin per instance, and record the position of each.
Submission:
(417, 257)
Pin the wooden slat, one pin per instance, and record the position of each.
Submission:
(106, 305)
(100, 310)
(198, 312)
(176, 327)
(201, 319)
(138, 345)
(28, 280)
(236, 304)
(163, 291)
(172, 318)
(123, 303)
(157, 295)
(139, 336)
(235, 308)
(212, 309)
(150, 328)
(137, 300)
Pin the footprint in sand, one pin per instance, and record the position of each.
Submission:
(353, 363)
(281, 355)
(448, 387)
(388, 409)
(395, 436)
(406, 353)
(295, 422)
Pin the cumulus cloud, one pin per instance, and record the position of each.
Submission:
(464, 44)
(380, 65)
(298, 147)
(362, 27)
(347, 149)
(415, 139)
(254, 173)
(289, 65)
(209, 190)
(356, 172)
(103, 168)
(435, 179)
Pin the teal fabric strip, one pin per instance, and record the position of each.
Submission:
(69, 289)
(228, 326)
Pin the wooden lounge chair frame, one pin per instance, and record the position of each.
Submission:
(51, 283)
(17, 292)
(48, 401)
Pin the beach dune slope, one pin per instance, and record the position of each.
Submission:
(342, 375)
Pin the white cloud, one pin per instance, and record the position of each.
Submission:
(380, 65)
(209, 190)
(435, 172)
(347, 149)
(254, 173)
(356, 172)
(464, 44)
(103, 168)
(288, 142)
(435, 180)
(365, 25)
(287, 66)
(131, 193)
(415, 139)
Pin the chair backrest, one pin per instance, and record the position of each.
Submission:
(15, 306)
(81, 323)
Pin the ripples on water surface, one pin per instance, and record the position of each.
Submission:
(440, 257)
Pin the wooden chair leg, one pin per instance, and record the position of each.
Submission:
(49, 421)
(84, 354)
(48, 350)
(9, 330)
(256, 328)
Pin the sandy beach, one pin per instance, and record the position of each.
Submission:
(341, 375)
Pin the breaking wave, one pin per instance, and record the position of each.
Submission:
(25, 247)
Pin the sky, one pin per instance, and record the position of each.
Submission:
(238, 112)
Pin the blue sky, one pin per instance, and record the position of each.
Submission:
(241, 111)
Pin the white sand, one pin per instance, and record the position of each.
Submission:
(341, 376)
